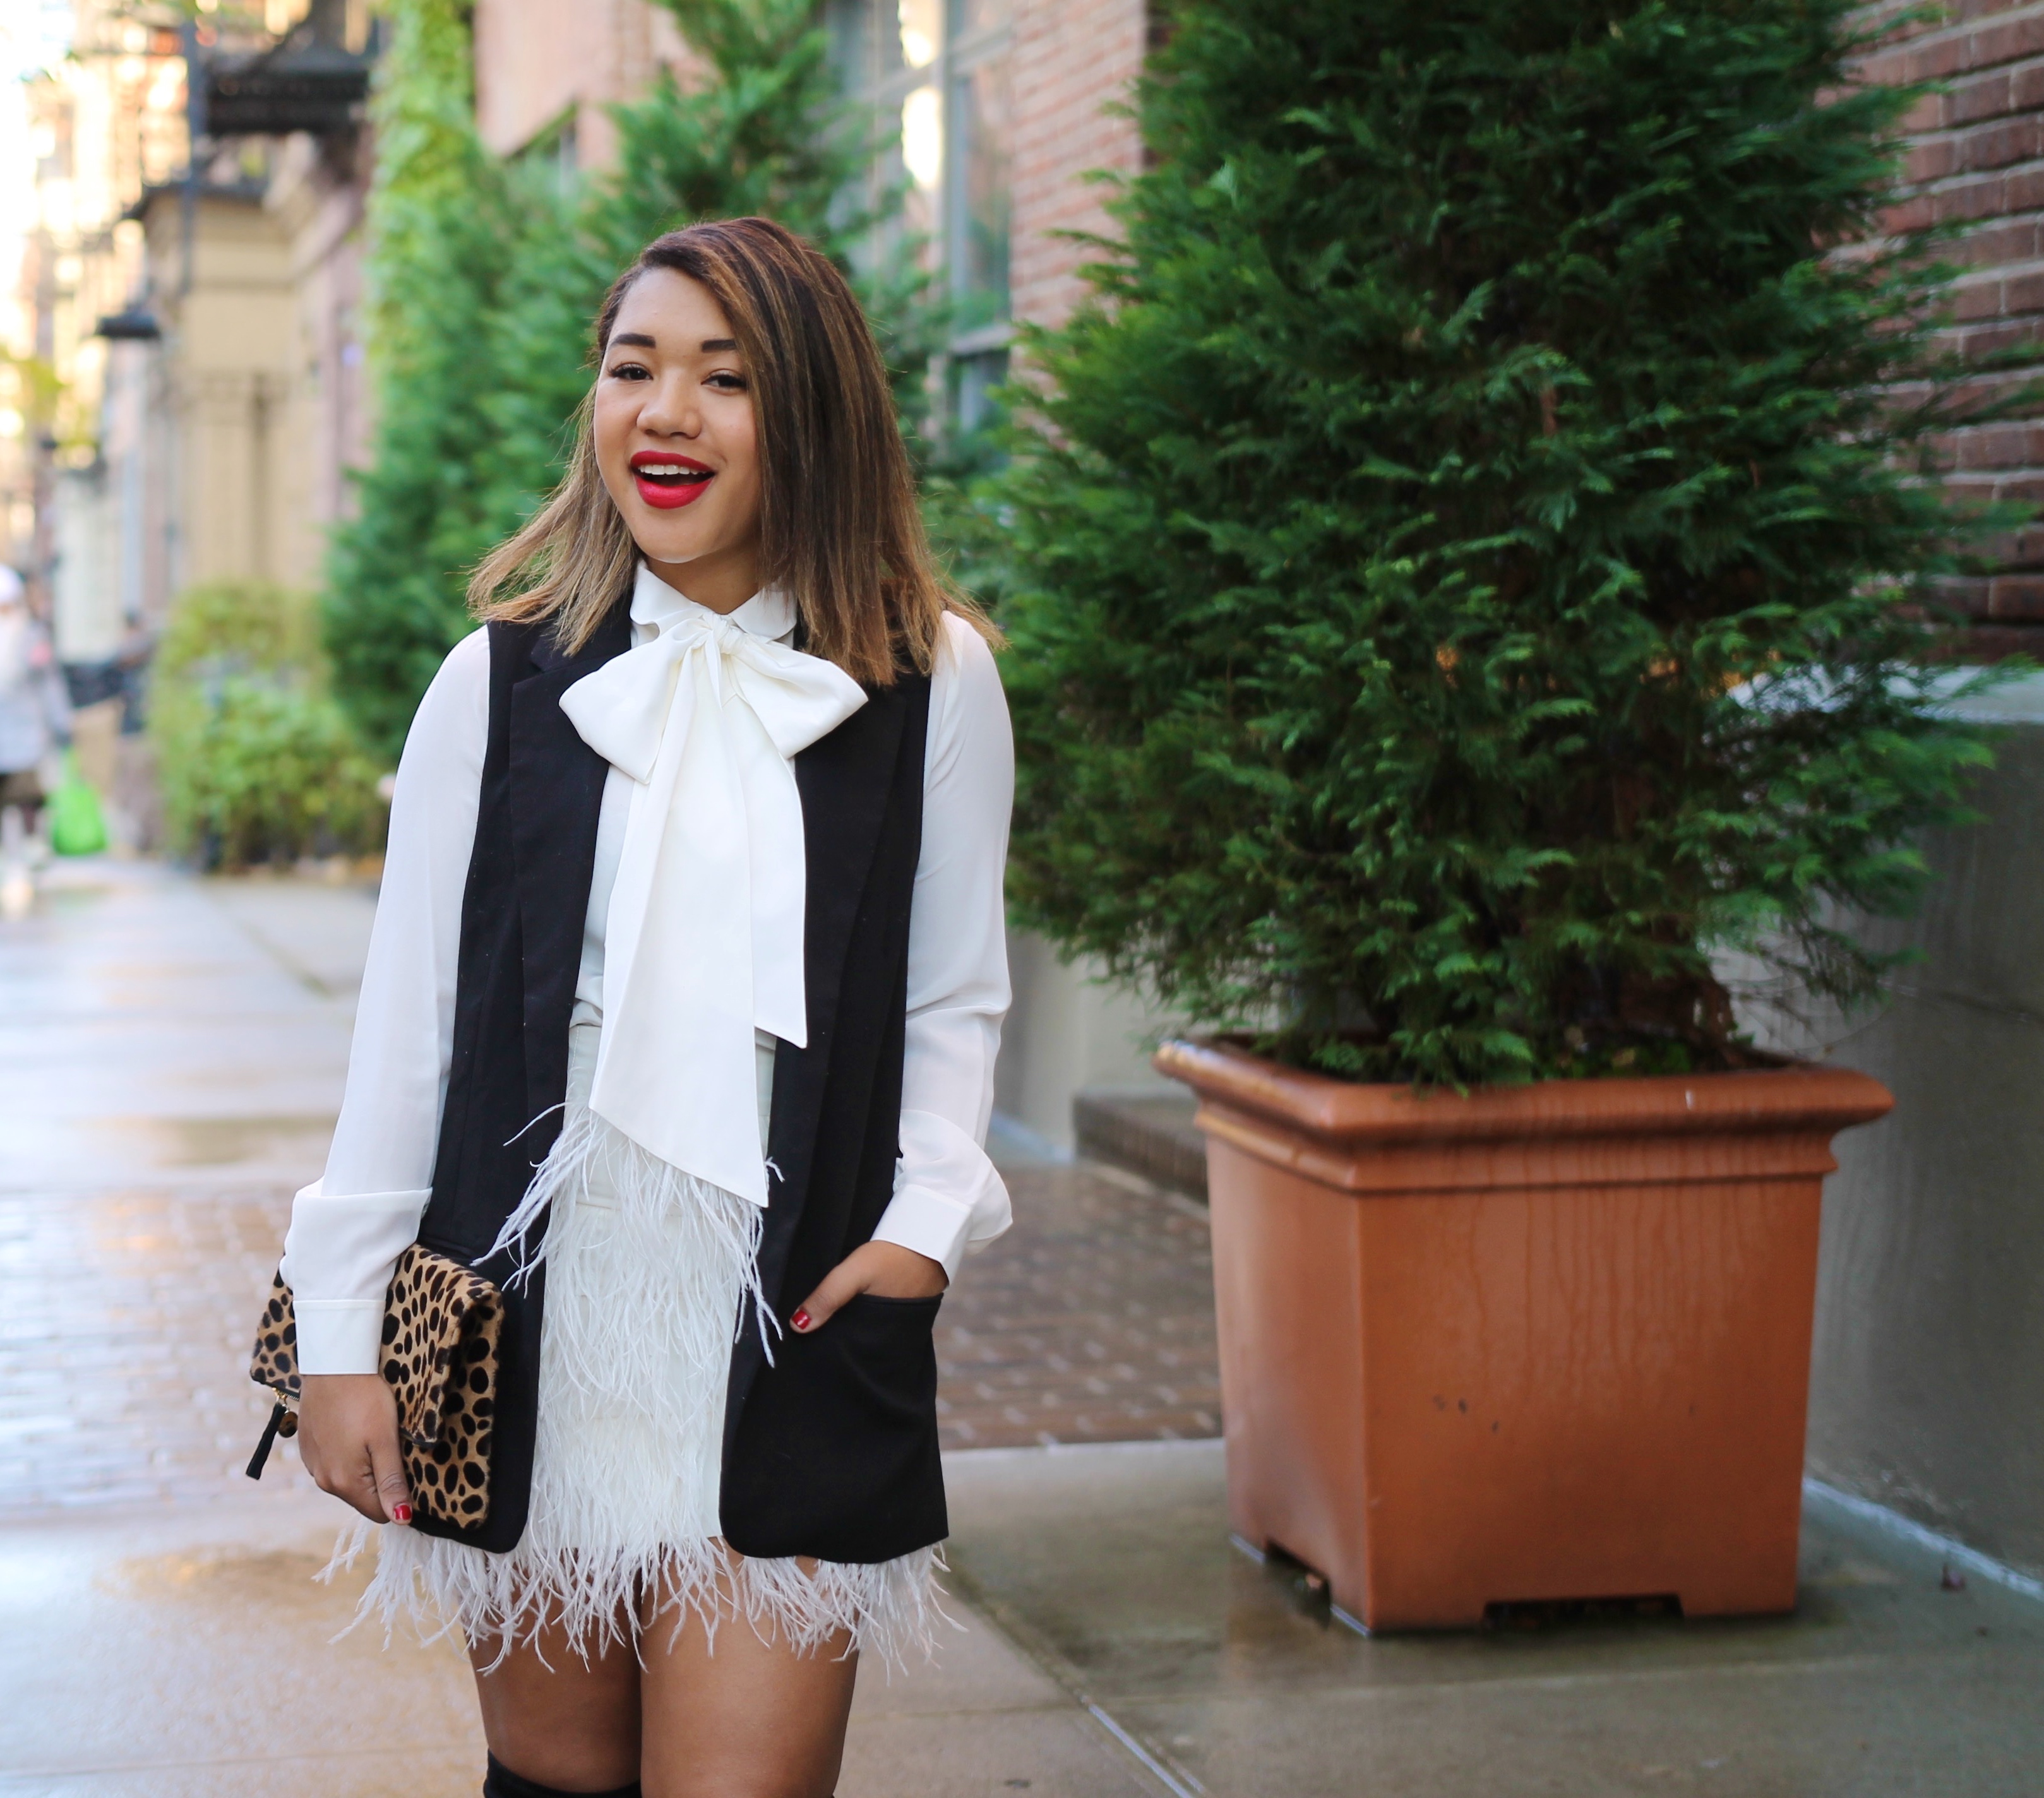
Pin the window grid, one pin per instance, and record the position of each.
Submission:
(936, 72)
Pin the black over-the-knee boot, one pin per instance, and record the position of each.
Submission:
(501, 1782)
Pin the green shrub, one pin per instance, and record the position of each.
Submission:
(255, 761)
(442, 227)
(1454, 586)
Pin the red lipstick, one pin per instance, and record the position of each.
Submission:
(665, 480)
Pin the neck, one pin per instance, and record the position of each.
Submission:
(721, 582)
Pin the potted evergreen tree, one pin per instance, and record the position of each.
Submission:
(1466, 572)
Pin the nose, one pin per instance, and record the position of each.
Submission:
(671, 409)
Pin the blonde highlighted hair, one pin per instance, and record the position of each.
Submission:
(840, 529)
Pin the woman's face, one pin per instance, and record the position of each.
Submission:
(676, 441)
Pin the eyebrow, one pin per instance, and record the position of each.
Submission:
(639, 340)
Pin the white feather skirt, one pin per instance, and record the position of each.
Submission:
(645, 1270)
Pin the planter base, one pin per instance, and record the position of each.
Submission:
(1551, 1343)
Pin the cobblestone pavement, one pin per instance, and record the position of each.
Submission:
(125, 1320)
(167, 1080)
(1091, 1320)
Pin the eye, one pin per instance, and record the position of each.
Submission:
(726, 383)
(630, 372)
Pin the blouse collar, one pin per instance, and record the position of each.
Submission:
(769, 613)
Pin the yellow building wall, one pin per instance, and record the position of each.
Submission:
(229, 339)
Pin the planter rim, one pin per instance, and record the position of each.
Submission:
(1801, 1096)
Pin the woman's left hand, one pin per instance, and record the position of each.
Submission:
(885, 1270)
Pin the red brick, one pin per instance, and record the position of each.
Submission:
(1976, 299)
(1977, 197)
(2026, 87)
(2016, 550)
(1912, 215)
(1998, 241)
(2016, 599)
(1930, 161)
(1967, 595)
(1890, 64)
(1930, 113)
(2023, 191)
(1993, 445)
(2007, 43)
(1938, 61)
(1069, 58)
(2001, 143)
(1991, 339)
(1985, 96)
(1995, 643)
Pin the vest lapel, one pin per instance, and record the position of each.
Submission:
(556, 783)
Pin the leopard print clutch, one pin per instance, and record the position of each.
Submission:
(441, 1323)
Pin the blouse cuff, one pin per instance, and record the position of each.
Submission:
(338, 1258)
(948, 1197)
(339, 1335)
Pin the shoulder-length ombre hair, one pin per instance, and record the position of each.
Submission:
(839, 526)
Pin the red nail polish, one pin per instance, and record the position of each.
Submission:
(801, 1321)
(401, 1514)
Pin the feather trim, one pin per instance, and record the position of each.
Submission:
(887, 1611)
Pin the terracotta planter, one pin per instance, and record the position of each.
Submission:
(1550, 1341)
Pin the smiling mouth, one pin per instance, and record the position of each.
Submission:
(666, 482)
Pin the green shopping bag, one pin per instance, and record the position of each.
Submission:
(76, 825)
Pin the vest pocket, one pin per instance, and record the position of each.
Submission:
(840, 1440)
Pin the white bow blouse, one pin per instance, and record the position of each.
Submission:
(703, 938)
(692, 945)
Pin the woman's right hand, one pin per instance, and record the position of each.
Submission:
(347, 1439)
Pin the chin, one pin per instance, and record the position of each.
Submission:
(663, 539)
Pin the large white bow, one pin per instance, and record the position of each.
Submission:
(703, 942)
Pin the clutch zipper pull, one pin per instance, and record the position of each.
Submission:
(283, 1422)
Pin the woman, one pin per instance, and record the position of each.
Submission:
(679, 1023)
(35, 723)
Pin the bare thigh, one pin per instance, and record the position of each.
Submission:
(557, 1720)
(753, 1719)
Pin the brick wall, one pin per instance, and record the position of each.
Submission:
(537, 59)
(1071, 57)
(1977, 156)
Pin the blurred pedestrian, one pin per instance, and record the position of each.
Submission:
(34, 725)
(693, 899)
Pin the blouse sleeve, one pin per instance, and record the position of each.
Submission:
(948, 1197)
(348, 1228)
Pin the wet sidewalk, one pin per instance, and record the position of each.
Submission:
(170, 1054)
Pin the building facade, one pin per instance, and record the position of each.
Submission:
(193, 299)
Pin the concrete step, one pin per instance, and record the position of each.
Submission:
(1150, 1133)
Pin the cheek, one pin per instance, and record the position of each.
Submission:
(611, 425)
(741, 448)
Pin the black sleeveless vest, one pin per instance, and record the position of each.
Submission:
(831, 1448)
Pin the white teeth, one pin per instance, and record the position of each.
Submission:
(665, 468)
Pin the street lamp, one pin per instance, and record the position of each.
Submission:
(134, 325)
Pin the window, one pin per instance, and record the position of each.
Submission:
(937, 72)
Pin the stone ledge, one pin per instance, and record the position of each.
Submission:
(1151, 1134)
